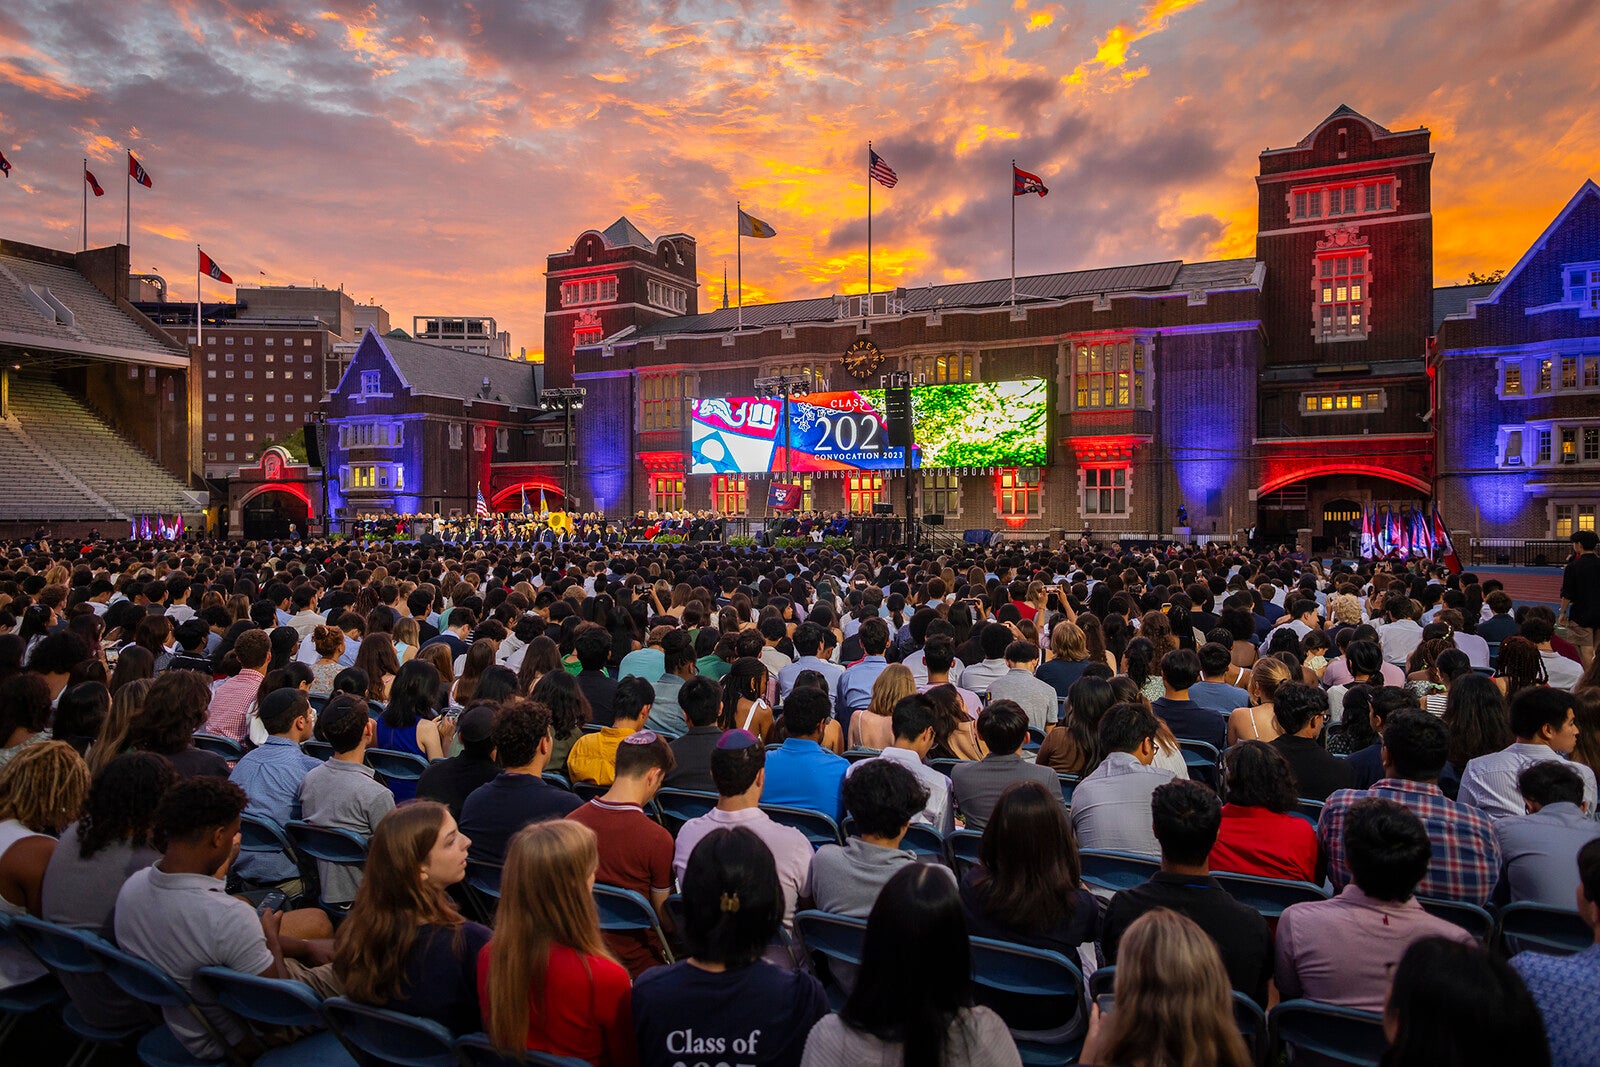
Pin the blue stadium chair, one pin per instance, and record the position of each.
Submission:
(1038, 993)
(964, 846)
(19, 1002)
(260, 834)
(1201, 757)
(159, 1047)
(557, 779)
(1530, 927)
(1307, 808)
(819, 829)
(1268, 896)
(1035, 739)
(318, 702)
(836, 939)
(924, 840)
(66, 951)
(1110, 871)
(1069, 782)
(592, 727)
(856, 755)
(482, 889)
(1251, 1020)
(476, 1050)
(226, 747)
(945, 764)
(393, 766)
(678, 806)
(327, 845)
(1477, 921)
(377, 1038)
(626, 909)
(587, 791)
(274, 1002)
(1340, 1035)
(317, 750)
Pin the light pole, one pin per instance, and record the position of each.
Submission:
(566, 401)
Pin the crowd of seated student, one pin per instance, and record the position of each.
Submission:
(1449, 785)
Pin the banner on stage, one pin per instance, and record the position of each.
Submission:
(974, 424)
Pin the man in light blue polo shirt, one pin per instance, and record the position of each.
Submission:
(271, 777)
(855, 684)
(800, 772)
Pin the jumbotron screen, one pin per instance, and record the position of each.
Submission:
(987, 424)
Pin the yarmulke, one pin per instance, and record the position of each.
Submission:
(642, 737)
(736, 739)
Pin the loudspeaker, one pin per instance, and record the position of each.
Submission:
(883, 509)
(897, 414)
(313, 445)
(936, 519)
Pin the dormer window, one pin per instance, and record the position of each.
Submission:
(1581, 285)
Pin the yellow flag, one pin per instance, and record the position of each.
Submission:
(750, 226)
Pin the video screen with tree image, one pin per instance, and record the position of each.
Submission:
(972, 424)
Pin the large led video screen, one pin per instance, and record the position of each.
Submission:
(987, 424)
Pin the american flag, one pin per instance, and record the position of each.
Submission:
(881, 172)
(483, 505)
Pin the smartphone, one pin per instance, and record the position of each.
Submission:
(273, 901)
(1053, 602)
(1104, 1002)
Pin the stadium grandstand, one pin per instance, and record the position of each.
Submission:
(94, 397)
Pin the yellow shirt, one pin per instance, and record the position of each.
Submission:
(594, 755)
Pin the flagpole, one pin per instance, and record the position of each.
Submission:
(198, 316)
(1013, 233)
(127, 204)
(738, 244)
(84, 183)
(867, 309)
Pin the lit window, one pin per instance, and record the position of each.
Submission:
(661, 401)
(1111, 374)
(1563, 520)
(729, 494)
(1342, 296)
(861, 491)
(1018, 491)
(1105, 490)
(1586, 516)
(1513, 378)
(1344, 403)
(1544, 376)
(1591, 372)
(1569, 372)
(952, 367)
(666, 492)
(1569, 445)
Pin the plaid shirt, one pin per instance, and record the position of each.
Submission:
(1466, 853)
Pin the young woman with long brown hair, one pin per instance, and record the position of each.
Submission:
(547, 981)
(404, 945)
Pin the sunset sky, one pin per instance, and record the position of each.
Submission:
(429, 154)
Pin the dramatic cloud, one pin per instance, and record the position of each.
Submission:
(429, 153)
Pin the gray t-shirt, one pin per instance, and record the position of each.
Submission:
(180, 923)
(82, 893)
(344, 796)
(846, 880)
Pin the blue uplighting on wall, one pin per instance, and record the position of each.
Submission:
(1498, 498)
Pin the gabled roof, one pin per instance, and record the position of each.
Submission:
(1168, 276)
(1588, 188)
(1452, 300)
(444, 372)
(623, 232)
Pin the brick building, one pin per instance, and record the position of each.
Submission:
(1518, 371)
(1285, 391)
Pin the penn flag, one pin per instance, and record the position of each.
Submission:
(881, 172)
(781, 497)
(88, 176)
(1023, 183)
(483, 505)
(1369, 538)
(1442, 545)
(5, 165)
(137, 172)
(524, 500)
(209, 268)
(750, 226)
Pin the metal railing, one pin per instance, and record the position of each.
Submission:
(1520, 552)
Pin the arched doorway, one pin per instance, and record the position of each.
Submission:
(1329, 501)
(1341, 521)
(274, 513)
(542, 495)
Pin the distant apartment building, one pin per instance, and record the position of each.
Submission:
(478, 335)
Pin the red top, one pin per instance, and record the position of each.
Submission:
(636, 854)
(584, 1009)
(1265, 843)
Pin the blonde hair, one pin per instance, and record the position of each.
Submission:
(544, 901)
(893, 685)
(126, 704)
(44, 787)
(1345, 608)
(1067, 642)
(1266, 676)
(1174, 1007)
